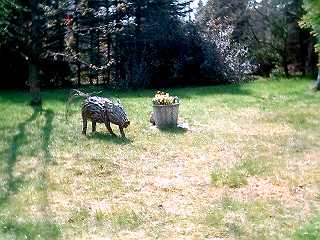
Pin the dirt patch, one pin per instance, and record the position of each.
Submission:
(270, 189)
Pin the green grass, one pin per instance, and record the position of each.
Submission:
(248, 168)
(256, 219)
(309, 231)
(11, 229)
(233, 178)
(125, 219)
(236, 176)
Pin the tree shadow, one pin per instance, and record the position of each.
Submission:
(60, 95)
(30, 230)
(184, 92)
(173, 129)
(13, 183)
(109, 138)
(230, 89)
(23, 96)
(46, 131)
(45, 161)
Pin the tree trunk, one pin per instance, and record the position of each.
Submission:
(317, 86)
(91, 57)
(77, 36)
(34, 85)
(311, 59)
(98, 55)
(285, 65)
(293, 43)
(35, 48)
(109, 58)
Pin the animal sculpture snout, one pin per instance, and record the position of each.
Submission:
(126, 124)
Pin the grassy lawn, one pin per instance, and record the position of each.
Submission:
(248, 168)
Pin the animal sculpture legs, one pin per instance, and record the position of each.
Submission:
(122, 132)
(94, 126)
(109, 128)
(84, 123)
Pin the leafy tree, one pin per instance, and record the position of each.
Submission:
(268, 29)
(220, 21)
(128, 43)
(7, 6)
(14, 22)
(34, 54)
(312, 20)
(268, 24)
(26, 31)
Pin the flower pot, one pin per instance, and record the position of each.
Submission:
(166, 115)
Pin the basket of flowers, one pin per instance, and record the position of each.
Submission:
(165, 109)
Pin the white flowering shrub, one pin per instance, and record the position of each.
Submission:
(234, 55)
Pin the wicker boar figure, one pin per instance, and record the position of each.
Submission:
(103, 110)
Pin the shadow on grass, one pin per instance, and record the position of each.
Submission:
(45, 162)
(46, 131)
(61, 95)
(174, 129)
(13, 183)
(185, 92)
(30, 230)
(231, 89)
(109, 138)
(23, 97)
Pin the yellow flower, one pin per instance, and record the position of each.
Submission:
(162, 98)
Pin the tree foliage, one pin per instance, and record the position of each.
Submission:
(312, 20)
(7, 8)
(266, 30)
(118, 43)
